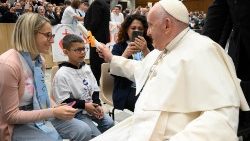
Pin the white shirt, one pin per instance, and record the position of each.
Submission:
(74, 83)
(68, 15)
(117, 18)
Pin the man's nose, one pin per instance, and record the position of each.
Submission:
(148, 32)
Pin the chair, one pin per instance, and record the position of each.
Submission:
(53, 72)
(106, 87)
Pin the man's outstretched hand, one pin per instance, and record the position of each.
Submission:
(104, 53)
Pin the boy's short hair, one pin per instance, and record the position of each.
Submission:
(70, 38)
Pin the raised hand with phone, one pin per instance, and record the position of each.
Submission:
(133, 43)
(137, 48)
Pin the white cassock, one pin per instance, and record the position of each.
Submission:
(193, 94)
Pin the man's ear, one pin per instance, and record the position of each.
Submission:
(167, 23)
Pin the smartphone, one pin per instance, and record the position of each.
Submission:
(135, 34)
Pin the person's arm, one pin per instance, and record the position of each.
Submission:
(214, 125)
(73, 13)
(119, 65)
(118, 49)
(216, 20)
(10, 83)
(79, 18)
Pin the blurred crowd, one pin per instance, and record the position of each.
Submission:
(196, 19)
(10, 12)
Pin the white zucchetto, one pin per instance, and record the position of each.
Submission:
(176, 9)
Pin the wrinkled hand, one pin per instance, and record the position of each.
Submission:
(104, 53)
(64, 112)
(91, 108)
(131, 49)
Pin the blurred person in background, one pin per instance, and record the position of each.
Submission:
(41, 10)
(84, 6)
(50, 14)
(58, 13)
(229, 19)
(116, 15)
(70, 14)
(97, 21)
(124, 90)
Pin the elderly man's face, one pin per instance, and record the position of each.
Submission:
(41, 10)
(156, 29)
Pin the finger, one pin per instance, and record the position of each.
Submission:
(71, 110)
(95, 105)
(141, 38)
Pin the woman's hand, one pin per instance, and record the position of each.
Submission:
(64, 112)
(141, 43)
(131, 49)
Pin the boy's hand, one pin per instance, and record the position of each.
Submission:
(100, 112)
(91, 108)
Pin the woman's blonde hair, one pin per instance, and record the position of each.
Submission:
(27, 26)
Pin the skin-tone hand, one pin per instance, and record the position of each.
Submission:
(91, 108)
(100, 112)
(141, 43)
(64, 112)
(104, 53)
(131, 49)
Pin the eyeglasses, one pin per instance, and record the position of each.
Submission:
(79, 50)
(48, 35)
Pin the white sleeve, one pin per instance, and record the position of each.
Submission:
(71, 12)
(122, 17)
(60, 88)
(124, 67)
(214, 125)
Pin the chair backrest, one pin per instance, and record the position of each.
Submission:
(53, 72)
(106, 85)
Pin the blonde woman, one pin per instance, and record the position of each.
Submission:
(25, 112)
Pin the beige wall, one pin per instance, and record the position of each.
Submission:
(6, 30)
(5, 36)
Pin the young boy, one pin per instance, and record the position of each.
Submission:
(74, 83)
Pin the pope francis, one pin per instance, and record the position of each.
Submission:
(189, 89)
